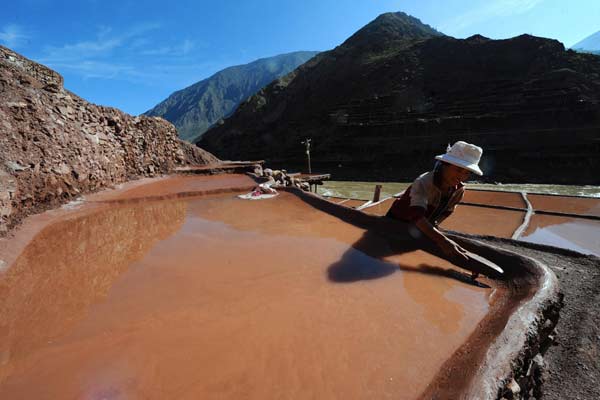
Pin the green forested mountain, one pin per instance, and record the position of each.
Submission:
(194, 109)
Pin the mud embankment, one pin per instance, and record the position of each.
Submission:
(55, 146)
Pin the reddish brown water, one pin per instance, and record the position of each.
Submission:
(217, 297)
(506, 199)
(484, 221)
(573, 233)
(582, 235)
(565, 204)
(471, 219)
(178, 185)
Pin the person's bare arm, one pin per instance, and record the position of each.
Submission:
(450, 248)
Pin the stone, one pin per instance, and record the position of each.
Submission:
(513, 387)
(15, 166)
(62, 169)
(16, 104)
(93, 139)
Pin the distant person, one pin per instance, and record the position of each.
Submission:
(433, 196)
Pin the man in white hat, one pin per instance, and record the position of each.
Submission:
(433, 196)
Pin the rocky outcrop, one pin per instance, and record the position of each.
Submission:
(52, 79)
(383, 103)
(55, 146)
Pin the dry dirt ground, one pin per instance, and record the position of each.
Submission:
(572, 364)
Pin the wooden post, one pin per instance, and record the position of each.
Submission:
(377, 193)
(307, 144)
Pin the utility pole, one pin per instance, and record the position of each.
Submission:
(307, 144)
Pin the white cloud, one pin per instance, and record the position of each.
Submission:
(96, 69)
(116, 55)
(81, 50)
(102, 46)
(172, 51)
(187, 46)
(491, 9)
(12, 36)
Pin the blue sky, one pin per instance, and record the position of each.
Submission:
(132, 55)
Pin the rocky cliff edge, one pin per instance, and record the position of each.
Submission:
(55, 146)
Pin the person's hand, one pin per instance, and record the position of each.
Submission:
(453, 251)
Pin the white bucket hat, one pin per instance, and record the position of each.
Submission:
(464, 155)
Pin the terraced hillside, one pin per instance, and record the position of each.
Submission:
(397, 92)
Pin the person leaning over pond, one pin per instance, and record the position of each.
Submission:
(433, 196)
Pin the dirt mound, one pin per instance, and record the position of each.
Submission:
(55, 145)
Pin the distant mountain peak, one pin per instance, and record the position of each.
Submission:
(477, 38)
(195, 108)
(391, 26)
(589, 44)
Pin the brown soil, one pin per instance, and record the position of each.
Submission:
(55, 146)
(572, 370)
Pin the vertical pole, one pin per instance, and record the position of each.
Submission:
(307, 144)
(377, 193)
(308, 155)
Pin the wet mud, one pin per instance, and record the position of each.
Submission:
(216, 297)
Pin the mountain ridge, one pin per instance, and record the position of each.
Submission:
(590, 44)
(382, 111)
(195, 108)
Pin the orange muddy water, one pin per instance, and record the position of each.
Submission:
(489, 197)
(484, 221)
(472, 219)
(216, 297)
(569, 232)
(566, 204)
